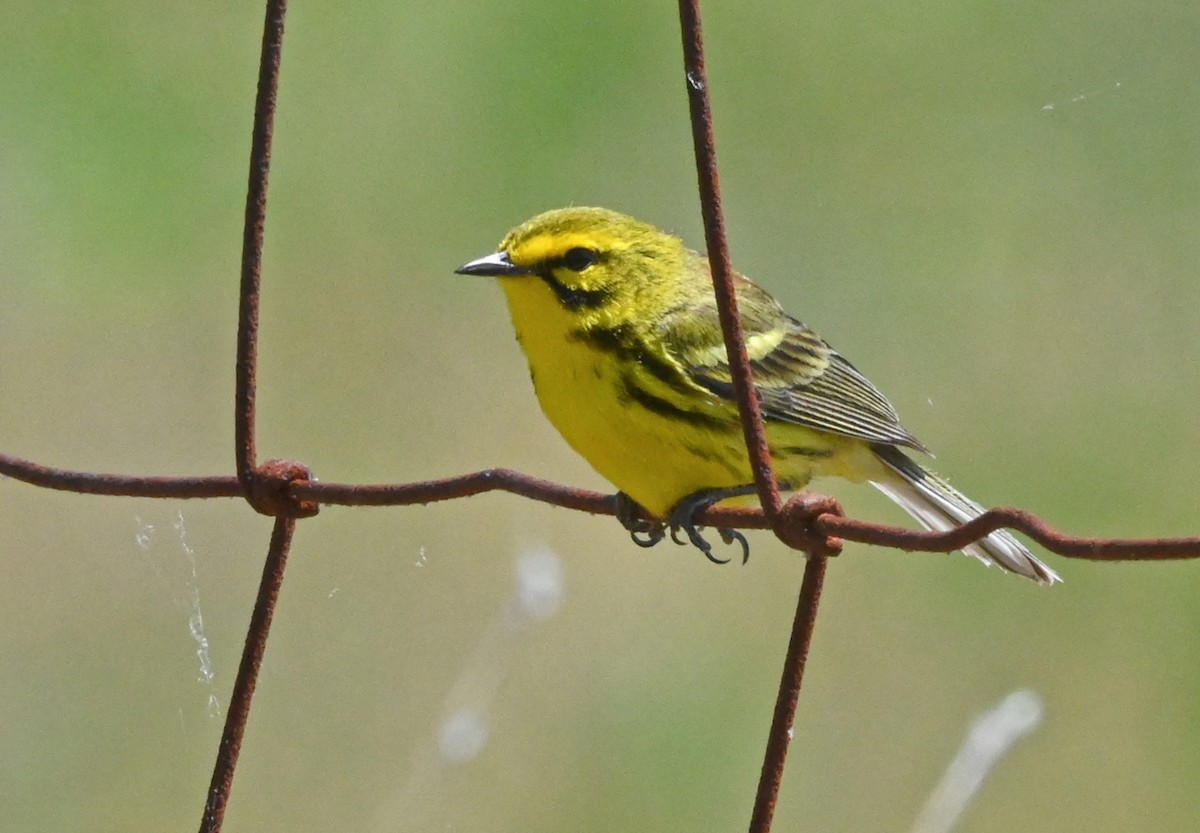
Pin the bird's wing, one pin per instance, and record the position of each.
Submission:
(800, 378)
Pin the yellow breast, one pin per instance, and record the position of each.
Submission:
(650, 453)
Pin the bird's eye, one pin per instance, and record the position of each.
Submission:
(579, 258)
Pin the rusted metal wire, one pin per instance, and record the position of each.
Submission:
(122, 485)
(718, 254)
(265, 489)
(1071, 546)
(784, 716)
(252, 245)
(286, 491)
(821, 520)
(247, 675)
(757, 448)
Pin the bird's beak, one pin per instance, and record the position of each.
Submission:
(496, 265)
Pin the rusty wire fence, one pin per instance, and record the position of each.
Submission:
(287, 492)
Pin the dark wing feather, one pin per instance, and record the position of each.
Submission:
(800, 378)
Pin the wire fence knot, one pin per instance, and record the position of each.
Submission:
(796, 524)
(268, 489)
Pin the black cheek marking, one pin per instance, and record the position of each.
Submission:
(574, 298)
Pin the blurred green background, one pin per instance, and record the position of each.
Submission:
(991, 208)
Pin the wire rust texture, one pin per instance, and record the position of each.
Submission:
(287, 491)
(704, 141)
(820, 522)
(247, 675)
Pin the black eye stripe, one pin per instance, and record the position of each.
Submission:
(576, 259)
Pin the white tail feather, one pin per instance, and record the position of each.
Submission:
(938, 506)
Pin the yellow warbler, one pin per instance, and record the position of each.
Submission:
(619, 323)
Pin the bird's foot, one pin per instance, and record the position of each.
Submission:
(683, 516)
(642, 530)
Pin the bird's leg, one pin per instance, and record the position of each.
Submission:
(643, 531)
(683, 520)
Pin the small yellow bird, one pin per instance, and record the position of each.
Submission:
(619, 323)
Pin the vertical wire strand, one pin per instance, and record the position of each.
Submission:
(780, 736)
(252, 240)
(718, 255)
(247, 676)
(244, 419)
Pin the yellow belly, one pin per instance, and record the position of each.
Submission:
(656, 460)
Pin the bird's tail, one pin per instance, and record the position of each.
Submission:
(938, 506)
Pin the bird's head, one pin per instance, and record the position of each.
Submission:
(589, 262)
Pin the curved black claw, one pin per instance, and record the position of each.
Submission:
(683, 520)
(730, 536)
(647, 538)
(642, 531)
(697, 540)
